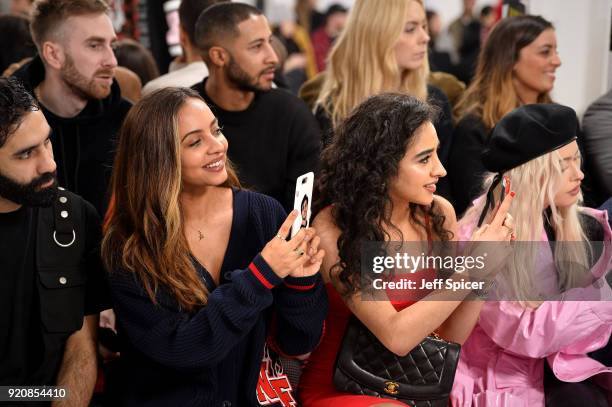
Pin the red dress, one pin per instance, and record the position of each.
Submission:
(316, 387)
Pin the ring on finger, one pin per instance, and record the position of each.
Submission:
(299, 251)
(279, 236)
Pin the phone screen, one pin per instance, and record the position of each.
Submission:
(302, 202)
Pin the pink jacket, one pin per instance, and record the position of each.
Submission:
(502, 362)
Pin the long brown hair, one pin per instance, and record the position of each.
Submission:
(144, 226)
(491, 94)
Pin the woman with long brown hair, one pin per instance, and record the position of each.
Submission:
(200, 271)
(515, 67)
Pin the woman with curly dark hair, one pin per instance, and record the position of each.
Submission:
(377, 183)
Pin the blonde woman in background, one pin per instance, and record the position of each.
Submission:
(383, 48)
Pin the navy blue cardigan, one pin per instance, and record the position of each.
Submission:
(212, 357)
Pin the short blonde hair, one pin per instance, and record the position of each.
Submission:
(48, 15)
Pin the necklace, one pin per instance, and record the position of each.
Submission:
(200, 234)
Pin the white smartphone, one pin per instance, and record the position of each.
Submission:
(302, 201)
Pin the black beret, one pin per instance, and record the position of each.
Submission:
(528, 132)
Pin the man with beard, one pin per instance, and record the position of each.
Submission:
(53, 284)
(73, 80)
(273, 137)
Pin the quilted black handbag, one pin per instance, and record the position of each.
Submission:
(423, 378)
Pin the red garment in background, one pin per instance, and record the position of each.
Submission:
(321, 43)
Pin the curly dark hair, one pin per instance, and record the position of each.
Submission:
(355, 173)
(15, 103)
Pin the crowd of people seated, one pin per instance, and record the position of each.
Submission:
(148, 249)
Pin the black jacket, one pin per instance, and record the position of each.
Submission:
(54, 284)
(596, 142)
(466, 172)
(83, 145)
(212, 356)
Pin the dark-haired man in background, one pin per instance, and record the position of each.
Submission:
(273, 137)
(53, 283)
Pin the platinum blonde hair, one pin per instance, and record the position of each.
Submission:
(571, 260)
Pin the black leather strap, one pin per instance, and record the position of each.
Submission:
(490, 203)
(63, 214)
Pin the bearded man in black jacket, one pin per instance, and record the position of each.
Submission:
(73, 81)
(52, 282)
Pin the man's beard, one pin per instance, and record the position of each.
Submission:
(242, 80)
(81, 85)
(29, 194)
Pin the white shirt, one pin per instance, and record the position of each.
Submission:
(185, 77)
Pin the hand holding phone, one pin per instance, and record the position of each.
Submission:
(302, 202)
